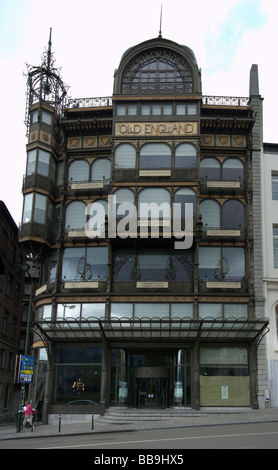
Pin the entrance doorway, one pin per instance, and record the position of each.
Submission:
(152, 392)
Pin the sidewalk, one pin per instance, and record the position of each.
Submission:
(204, 417)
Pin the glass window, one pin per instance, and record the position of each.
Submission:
(151, 310)
(152, 265)
(121, 110)
(233, 170)
(155, 156)
(43, 162)
(93, 310)
(191, 109)
(75, 216)
(210, 212)
(210, 169)
(275, 245)
(274, 186)
(27, 208)
(167, 109)
(224, 377)
(180, 109)
(159, 196)
(125, 156)
(181, 310)
(46, 117)
(132, 110)
(145, 110)
(101, 169)
(227, 263)
(124, 265)
(183, 197)
(79, 171)
(185, 156)
(31, 162)
(40, 208)
(120, 310)
(182, 265)
(85, 264)
(233, 215)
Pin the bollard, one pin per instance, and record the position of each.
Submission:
(92, 422)
(59, 423)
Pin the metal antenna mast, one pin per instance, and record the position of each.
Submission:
(160, 26)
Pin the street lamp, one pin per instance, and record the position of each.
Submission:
(25, 267)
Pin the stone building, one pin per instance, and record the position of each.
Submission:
(143, 212)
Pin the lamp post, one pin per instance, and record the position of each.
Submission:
(25, 267)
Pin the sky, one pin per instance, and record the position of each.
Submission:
(89, 38)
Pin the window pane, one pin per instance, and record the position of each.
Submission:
(27, 210)
(233, 215)
(75, 216)
(209, 258)
(210, 211)
(40, 208)
(152, 265)
(120, 110)
(233, 169)
(235, 311)
(155, 156)
(101, 169)
(96, 263)
(191, 109)
(125, 156)
(151, 310)
(31, 162)
(274, 187)
(93, 310)
(73, 264)
(183, 197)
(43, 162)
(210, 169)
(121, 310)
(233, 261)
(145, 110)
(181, 311)
(180, 109)
(157, 196)
(185, 156)
(79, 171)
(210, 311)
(124, 265)
(182, 265)
(167, 109)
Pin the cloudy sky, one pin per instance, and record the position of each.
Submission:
(89, 38)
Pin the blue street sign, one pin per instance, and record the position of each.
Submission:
(26, 369)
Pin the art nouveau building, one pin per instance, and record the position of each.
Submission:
(136, 307)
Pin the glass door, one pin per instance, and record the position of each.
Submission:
(152, 392)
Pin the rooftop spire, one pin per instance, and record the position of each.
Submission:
(160, 26)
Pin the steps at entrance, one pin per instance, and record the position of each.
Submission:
(121, 415)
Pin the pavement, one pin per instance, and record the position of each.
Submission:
(205, 417)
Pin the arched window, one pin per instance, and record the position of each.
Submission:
(125, 156)
(184, 196)
(155, 156)
(210, 169)
(210, 212)
(75, 216)
(101, 169)
(157, 71)
(149, 196)
(232, 170)
(79, 171)
(233, 215)
(123, 196)
(185, 156)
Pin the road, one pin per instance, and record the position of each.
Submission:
(236, 436)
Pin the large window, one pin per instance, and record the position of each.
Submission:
(185, 156)
(77, 376)
(75, 216)
(232, 169)
(41, 162)
(224, 377)
(37, 208)
(125, 156)
(85, 264)
(155, 156)
(230, 216)
(151, 310)
(221, 263)
(157, 72)
(81, 171)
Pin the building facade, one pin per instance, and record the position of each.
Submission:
(270, 278)
(12, 336)
(143, 211)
